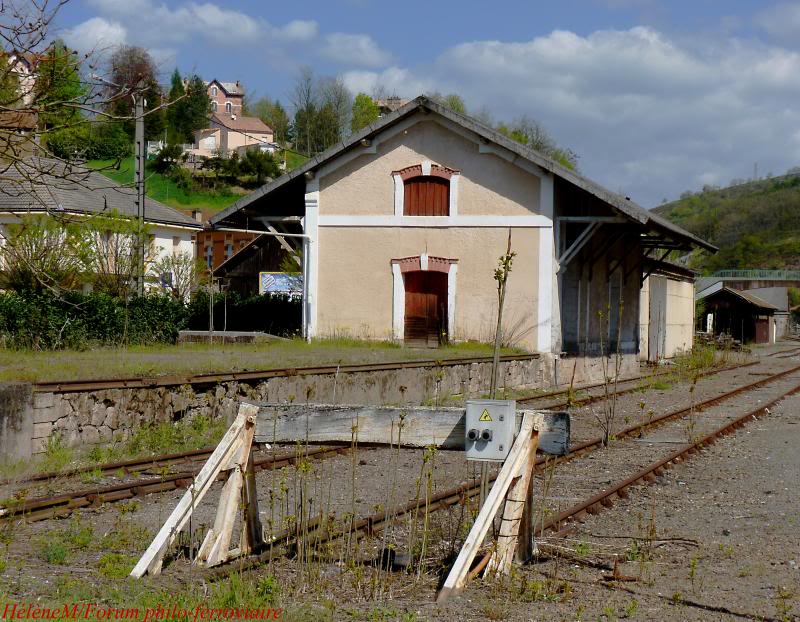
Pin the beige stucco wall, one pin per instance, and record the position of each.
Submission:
(355, 279)
(488, 185)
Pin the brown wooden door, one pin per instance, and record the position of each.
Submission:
(762, 331)
(426, 308)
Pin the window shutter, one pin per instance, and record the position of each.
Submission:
(426, 196)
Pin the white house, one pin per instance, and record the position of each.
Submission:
(43, 186)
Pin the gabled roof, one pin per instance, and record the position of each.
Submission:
(621, 204)
(242, 124)
(231, 88)
(751, 299)
(46, 185)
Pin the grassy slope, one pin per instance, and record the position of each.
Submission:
(165, 190)
(201, 358)
(755, 225)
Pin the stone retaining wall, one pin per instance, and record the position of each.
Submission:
(87, 418)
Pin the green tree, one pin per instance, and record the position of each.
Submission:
(58, 82)
(273, 114)
(176, 113)
(197, 107)
(531, 133)
(365, 111)
(259, 164)
(452, 100)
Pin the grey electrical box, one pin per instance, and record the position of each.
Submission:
(490, 428)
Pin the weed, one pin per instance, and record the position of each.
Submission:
(264, 592)
(126, 535)
(783, 603)
(92, 477)
(631, 608)
(660, 385)
(115, 566)
(727, 550)
(52, 550)
(582, 549)
(56, 456)
(609, 613)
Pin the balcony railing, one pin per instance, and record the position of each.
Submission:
(765, 275)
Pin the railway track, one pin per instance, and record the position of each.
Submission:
(59, 506)
(369, 525)
(191, 461)
(623, 387)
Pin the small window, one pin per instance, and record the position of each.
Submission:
(228, 107)
(209, 256)
(426, 196)
(228, 251)
(213, 106)
(213, 91)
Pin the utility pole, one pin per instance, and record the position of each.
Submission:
(140, 153)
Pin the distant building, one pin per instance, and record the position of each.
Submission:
(23, 65)
(228, 134)
(227, 98)
(738, 313)
(390, 104)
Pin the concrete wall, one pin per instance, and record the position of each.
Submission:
(16, 420)
(88, 418)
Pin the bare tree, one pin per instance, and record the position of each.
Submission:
(334, 94)
(179, 274)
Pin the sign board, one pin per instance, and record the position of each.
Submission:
(270, 282)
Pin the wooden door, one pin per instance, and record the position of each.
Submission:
(762, 331)
(426, 308)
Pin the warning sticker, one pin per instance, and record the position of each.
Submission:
(485, 416)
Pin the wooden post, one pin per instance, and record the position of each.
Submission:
(511, 469)
(515, 529)
(232, 455)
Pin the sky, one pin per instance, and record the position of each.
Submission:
(655, 96)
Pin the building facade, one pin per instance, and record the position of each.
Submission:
(405, 221)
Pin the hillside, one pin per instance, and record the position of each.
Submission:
(755, 225)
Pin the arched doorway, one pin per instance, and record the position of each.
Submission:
(425, 323)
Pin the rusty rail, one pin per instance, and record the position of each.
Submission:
(72, 386)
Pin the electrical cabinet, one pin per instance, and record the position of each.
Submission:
(490, 428)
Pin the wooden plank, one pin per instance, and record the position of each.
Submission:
(150, 562)
(442, 426)
(518, 456)
(511, 532)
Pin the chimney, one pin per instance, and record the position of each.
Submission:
(197, 215)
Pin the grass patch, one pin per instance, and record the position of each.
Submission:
(165, 190)
(198, 358)
(115, 565)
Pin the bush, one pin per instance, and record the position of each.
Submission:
(79, 321)
(90, 141)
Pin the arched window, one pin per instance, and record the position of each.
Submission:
(213, 106)
(425, 189)
(213, 91)
(228, 107)
(426, 195)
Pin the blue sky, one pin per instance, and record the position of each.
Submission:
(655, 96)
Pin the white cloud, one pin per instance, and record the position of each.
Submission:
(95, 34)
(298, 30)
(781, 21)
(649, 115)
(355, 49)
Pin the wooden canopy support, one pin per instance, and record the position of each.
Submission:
(578, 244)
(234, 455)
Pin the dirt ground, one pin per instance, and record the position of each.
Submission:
(714, 538)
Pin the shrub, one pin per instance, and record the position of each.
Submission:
(277, 314)
(90, 141)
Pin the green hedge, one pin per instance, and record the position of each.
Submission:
(79, 321)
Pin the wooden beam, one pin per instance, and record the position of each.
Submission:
(512, 535)
(578, 244)
(286, 246)
(151, 560)
(510, 470)
(442, 427)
